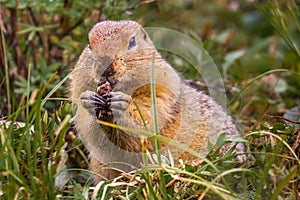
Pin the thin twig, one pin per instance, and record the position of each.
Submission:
(131, 7)
(279, 117)
(19, 57)
(2, 27)
(3, 31)
(101, 10)
(72, 27)
(35, 23)
(297, 142)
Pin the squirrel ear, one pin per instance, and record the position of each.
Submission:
(132, 42)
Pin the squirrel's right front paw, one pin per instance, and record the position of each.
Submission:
(92, 102)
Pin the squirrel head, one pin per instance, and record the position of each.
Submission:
(116, 38)
(121, 50)
(122, 53)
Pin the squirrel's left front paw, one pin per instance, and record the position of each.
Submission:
(119, 102)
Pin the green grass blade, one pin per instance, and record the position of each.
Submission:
(155, 126)
(154, 111)
(277, 18)
(54, 89)
(9, 106)
(284, 182)
(255, 79)
(280, 139)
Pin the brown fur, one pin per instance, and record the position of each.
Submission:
(184, 114)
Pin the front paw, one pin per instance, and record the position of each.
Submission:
(119, 102)
(93, 102)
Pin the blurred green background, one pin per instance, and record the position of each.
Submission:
(244, 38)
(255, 45)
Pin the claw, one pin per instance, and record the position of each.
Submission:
(98, 99)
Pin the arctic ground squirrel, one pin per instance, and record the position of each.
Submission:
(111, 82)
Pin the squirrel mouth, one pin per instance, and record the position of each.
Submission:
(108, 76)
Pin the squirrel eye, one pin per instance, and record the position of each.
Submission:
(132, 42)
